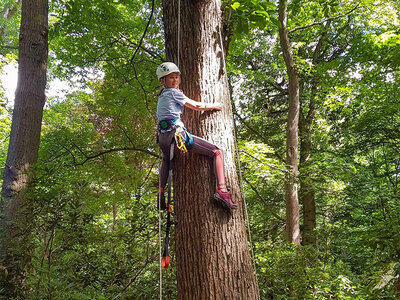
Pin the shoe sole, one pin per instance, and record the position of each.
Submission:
(223, 202)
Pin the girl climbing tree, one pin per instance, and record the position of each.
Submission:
(212, 254)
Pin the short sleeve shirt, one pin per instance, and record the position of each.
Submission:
(170, 104)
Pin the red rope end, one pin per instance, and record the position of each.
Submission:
(165, 262)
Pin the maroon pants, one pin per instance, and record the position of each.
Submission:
(200, 146)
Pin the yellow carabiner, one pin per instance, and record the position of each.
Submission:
(179, 142)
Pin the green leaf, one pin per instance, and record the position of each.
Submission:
(268, 6)
(275, 21)
(235, 5)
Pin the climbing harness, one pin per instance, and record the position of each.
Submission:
(183, 139)
(167, 125)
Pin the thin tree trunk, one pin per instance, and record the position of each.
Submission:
(213, 257)
(307, 115)
(306, 191)
(307, 195)
(292, 201)
(7, 13)
(24, 143)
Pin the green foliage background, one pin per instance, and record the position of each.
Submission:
(95, 234)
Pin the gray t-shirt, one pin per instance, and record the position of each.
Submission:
(170, 104)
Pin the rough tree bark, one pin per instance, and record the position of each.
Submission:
(212, 252)
(292, 201)
(24, 144)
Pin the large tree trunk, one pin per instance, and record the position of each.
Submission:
(212, 252)
(292, 201)
(24, 142)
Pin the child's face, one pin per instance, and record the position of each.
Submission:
(171, 80)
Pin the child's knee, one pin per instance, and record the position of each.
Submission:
(218, 152)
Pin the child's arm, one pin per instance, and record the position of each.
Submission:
(200, 106)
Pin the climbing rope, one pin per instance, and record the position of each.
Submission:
(163, 253)
(165, 256)
(245, 210)
(160, 250)
(179, 29)
(163, 260)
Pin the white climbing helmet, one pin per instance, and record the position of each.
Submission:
(166, 68)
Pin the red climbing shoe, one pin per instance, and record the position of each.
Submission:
(225, 199)
(161, 202)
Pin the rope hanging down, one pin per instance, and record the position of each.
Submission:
(164, 251)
(164, 257)
(179, 29)
(246, 215)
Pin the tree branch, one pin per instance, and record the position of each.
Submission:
(89, 157)
(144, 33)
(323, 21)
(9, 47)
(149, 52)
(258, 134)
(261, 198)
(137, 50)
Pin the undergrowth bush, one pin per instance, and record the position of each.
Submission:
(290, 272)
